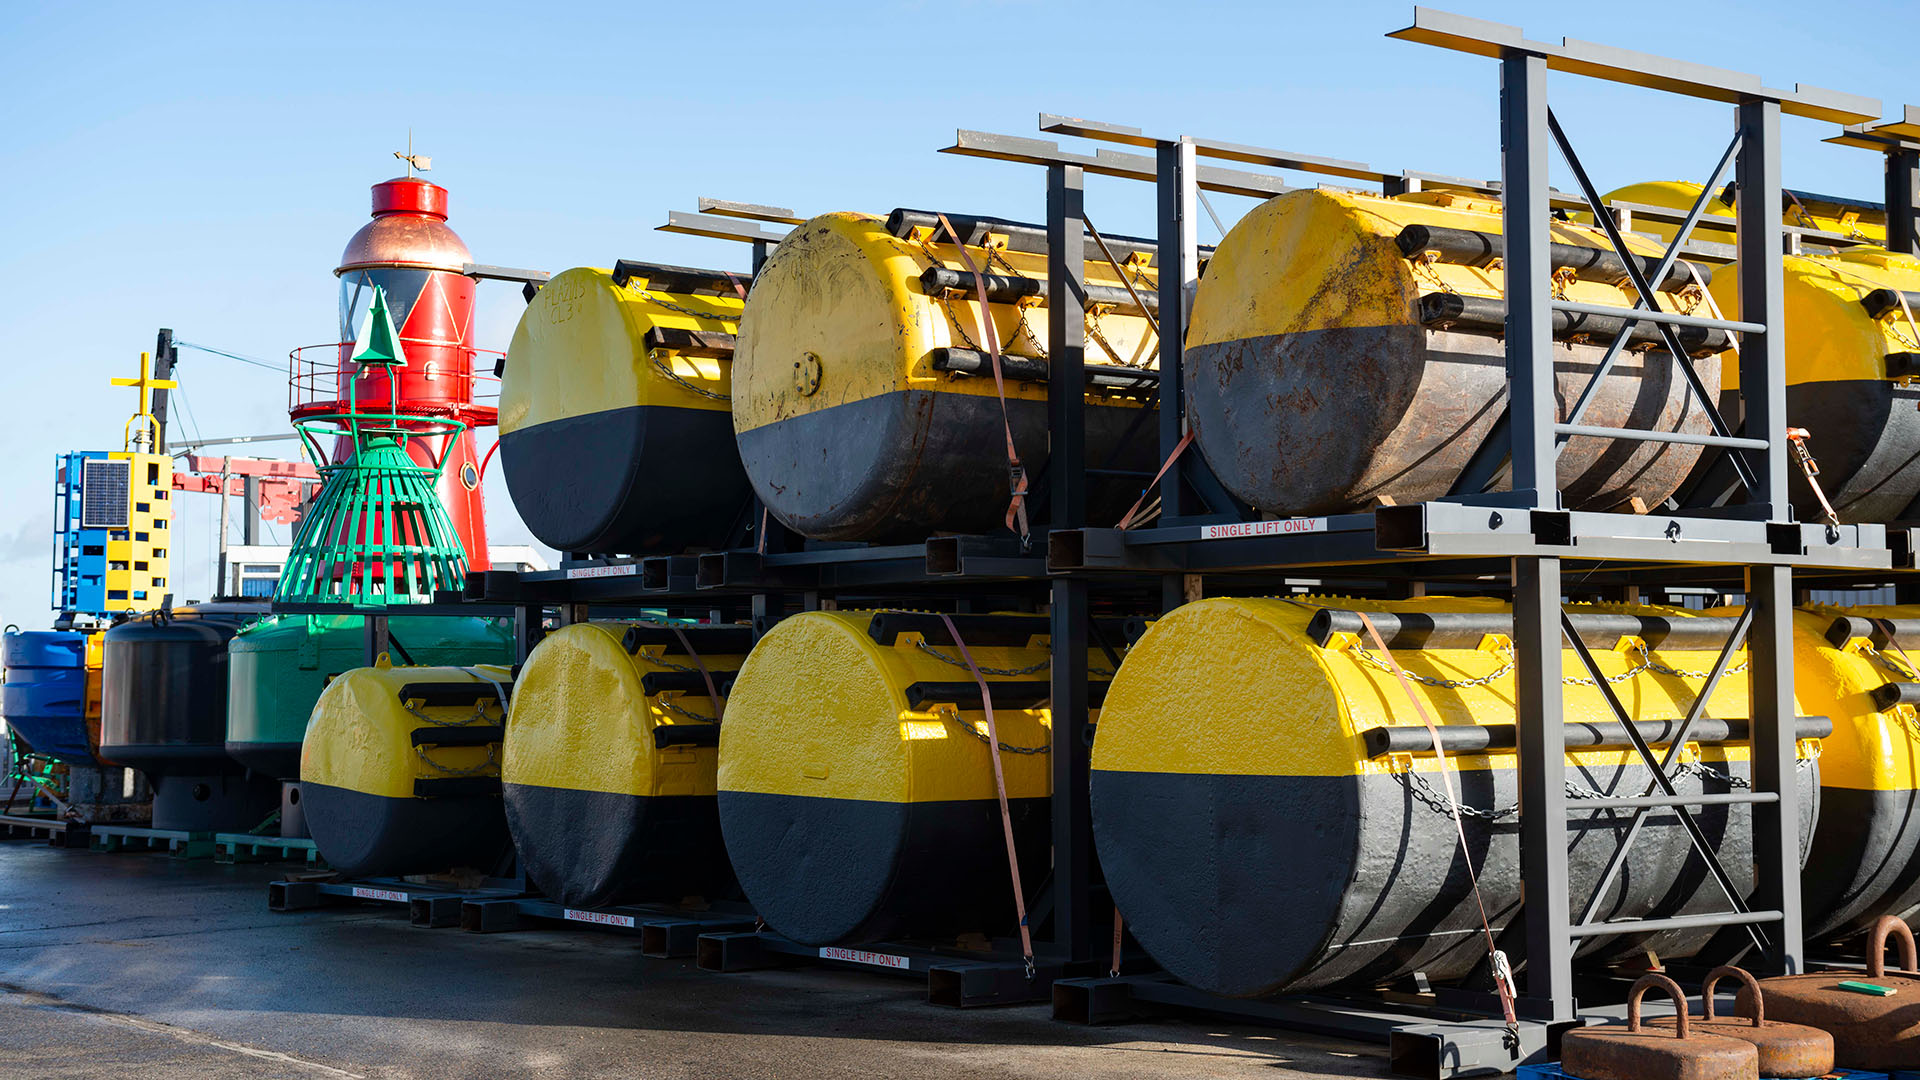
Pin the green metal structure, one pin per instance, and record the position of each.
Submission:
(377, 534)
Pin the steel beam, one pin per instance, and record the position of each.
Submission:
(1529, 325)
(1073, 873)
(1546, 906)
(1483, 38)
(1066, 347)
(1903, 201)
(1179, 268)
(1763, 356)
(1776, 826)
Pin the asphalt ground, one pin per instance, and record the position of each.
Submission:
(148, 967)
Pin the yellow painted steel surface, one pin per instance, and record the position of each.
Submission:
(820, 711)
(361, 735)
(1716, 224)
(1870, 749)
(1279, 705)
(843, 291)
(1342, 269)
(582, 720)
(1829, 335)
(581, 348)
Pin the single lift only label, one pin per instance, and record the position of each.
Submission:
(603, 918)
(1280, 527)
(857, 956)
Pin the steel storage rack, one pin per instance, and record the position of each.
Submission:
(1525, 541)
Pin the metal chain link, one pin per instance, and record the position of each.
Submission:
(674, 708)
(653, 357)
(1424, 792)
(993, 256)
(1008, 747)
(479, 713)
(1506, 668)
(956, 662)
(1646, 663)
(492, 763)
(711, 316)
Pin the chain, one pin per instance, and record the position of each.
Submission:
(1039, 348)
(672, 707)
(711, 316)
(1424, 792)
(479, 713)
(956, 662)
(662, 661)
(1890, 664)
(653, 357)
(944, 714)
(1646, 663)
(491, 762)
(1423, 267)
(1505, 669)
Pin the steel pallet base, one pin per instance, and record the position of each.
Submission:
(665, 930)
(1429, 1043)
(58, 832)
(427, 905)
(954, 978)
(177, 842)
(247, 848)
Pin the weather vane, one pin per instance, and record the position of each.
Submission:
(413, 160)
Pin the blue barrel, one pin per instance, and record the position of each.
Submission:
(44, 698)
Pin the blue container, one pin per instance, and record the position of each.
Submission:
(44, 698)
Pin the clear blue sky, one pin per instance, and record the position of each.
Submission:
(201, 166)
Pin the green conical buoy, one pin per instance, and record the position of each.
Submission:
(377, 534)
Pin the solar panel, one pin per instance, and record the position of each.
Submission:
(104, 494)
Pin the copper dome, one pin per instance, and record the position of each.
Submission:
(409, 228)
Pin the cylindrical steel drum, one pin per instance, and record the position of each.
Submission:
(614, 430)
(608, 767)
(1344, 352)
(856, 788)
(1260, 835)
(863, 392)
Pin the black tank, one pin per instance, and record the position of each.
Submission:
(163, 710)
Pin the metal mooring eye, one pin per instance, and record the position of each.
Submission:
(806, 374)
(1673, 531)
(1494, 520)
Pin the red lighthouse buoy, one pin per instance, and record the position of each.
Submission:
(417, 261)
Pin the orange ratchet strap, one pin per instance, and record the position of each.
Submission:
(1502, 973)
(713, 695)
(1000, 789)
(1798, 437)
(1016, 472)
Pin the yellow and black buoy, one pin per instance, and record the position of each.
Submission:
(1271, 816)
(400, 774)
(863, 389)
(1865, 862)
(1345, 352)
(614, 429)
(1852, 350)
(608, 766)
(856, 789)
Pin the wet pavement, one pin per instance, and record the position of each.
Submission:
(145, 966)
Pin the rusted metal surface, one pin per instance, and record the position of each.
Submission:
(1676, 1052)
(1868, 1032)
(1343, 419)
(1786, 1050)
